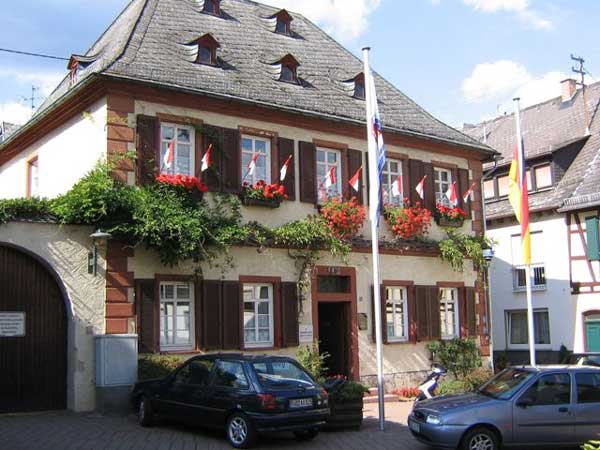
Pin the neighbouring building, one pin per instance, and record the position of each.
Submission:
(6, 129)
(251, 78)
(562, 148)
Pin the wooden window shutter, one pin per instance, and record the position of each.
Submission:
(147, 145)
(415, 174)
(308, 169)
(429, 201)
(232, 315)
(146, 309)
(412, 306)
(355, 161)
(286, 148)
(461, 186)
(210, 314)
(231, 162)
(289, 315)
(471, 311)
(592, 238)
(435, 326)
(421, 313)
(383, 314)
(462, 312)
(213, 176)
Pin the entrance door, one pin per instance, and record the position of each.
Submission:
(592, 333)
(33, 336)
(334, 336)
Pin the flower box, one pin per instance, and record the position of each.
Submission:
(444, 221)
(264, 202)
(449, 217)
(263, 194)
(345, 415)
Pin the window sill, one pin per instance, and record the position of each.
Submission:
(533, 288)
(523, 347)
(178, 350)
(261, 347)
(398, 341)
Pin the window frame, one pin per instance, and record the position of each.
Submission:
(359, 80)
(33, 166)
(387, 178)
(175, 300)
(508, 325)
(256, 286)
(217, 7)
(213, 382)
(456, 313)
(534, 287)
(286, 24)
(268, 158)
(338, 176)
(293, 70)
(534, 177)
(523, 395)
(192, 144)
(405, 320)
(439, 183)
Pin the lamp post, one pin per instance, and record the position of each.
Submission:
(97, 236)
(488, 255)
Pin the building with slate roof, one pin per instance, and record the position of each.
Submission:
(248, 79)
(6, 129)
(562, 147)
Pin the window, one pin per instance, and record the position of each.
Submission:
(282, 22)
(391, 171)
(205, 55)
(517, 327)
(530, 186)
(553, 389)
(449, 312)
(183, 149)
(288, 66)
(538, 277)
(196, 372)
(489, 189)
(588, 387)
(442, 179)
(33, 184)
(396, 309)
(256, 146)
(281, 374)
(326, 161)
(538, 269)
(176, 315)
(288, 74)
(503, 186)
(359, 86)
(592, 238)
(231, 374)
(258, 315)
(207, 50)
(333, 284)
(212, 7)
(543, 176)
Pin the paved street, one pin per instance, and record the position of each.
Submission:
(68, 431)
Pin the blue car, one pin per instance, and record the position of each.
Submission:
(521, 407)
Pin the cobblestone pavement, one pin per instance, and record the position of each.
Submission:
(70, 431)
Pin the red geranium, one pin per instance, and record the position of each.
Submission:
(264, 191)
(344, 218)
(187, 182)
(408, 221)
(450, 213)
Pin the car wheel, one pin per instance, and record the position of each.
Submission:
(306, 435)
(480, 439)
(240, 432)
(145, 412)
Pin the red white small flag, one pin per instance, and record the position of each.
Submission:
(169, 155)
(284, 169)
(421, 188)
(451, 194)
(397, 187)
(467, 195)
(330, 178)
(355, 180)
(252, 164)
(206, 159)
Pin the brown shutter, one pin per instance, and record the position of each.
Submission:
(462, 186)
(471, 308)
(232, 315)
(412, 306)
(415, 174)
(289, 315)
(421, 312)
(355, 161)
(383, 314)
(231, 162)
(435, 326)
(429, 201)
(462, 312)
(211, 314)
(286, 148)
(213, 176)
(367, 180)
(147, 145)
(145, 303)
(308, 168)
(198, 313)
(198, 151)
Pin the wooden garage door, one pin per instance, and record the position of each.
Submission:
(33, 367)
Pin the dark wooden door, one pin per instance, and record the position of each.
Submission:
(334, 336)
(33, 368)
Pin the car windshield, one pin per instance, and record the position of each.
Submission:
(504, 385)
(282, 375)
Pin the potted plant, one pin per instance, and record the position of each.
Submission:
(191, 185)
(263, 194)
(408, 221)
(344, 217)
(345, 403)
(449, 217)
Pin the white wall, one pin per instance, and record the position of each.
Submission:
(556, 297)
(64, 155)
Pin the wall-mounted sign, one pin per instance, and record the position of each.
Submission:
(305, 333)
(12, 324)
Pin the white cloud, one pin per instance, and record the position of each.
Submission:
(521, 8)
(14, 112)
(344, 19)
(502, 80)
(46, 81)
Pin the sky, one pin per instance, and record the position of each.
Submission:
(462, 60)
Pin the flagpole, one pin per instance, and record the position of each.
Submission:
(373, 202)
(530, 324)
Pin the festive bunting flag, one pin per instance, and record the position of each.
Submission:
(397, 187)
(284, 169)
(252, 164)
(421, 188)
(355, 180)
(467, 195)
(330, 178)
(451, 194)
(169, 155)
(206, 159)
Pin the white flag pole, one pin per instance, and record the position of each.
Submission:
(521, 156)
(374, 202)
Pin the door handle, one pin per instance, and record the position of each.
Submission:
(563, 409)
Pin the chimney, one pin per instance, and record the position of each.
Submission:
(569, 87)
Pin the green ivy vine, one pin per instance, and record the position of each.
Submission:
(459, 246)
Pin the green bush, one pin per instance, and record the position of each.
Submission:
(458, 356)
(24, 208)
(350, 392)
(469, 383)
(157, 366)
(313, 361)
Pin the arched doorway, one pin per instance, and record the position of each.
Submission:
(33, 335)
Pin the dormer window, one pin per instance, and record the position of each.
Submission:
(207, 50)
(212, 7)
(283, 22)
(359, 86)
(289, 69)
(78, 63)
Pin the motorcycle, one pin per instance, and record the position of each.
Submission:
(428, 387)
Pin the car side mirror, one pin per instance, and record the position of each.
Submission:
(525, 403)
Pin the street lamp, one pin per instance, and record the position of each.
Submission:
(97, 236)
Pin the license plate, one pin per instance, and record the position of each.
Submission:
(301, 403)
(414, 426)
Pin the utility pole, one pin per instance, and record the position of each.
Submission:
(582, 72)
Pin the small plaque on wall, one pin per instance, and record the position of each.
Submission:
(305, 334)
(12, 324)
(362, 321)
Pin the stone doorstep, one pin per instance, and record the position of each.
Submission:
(386, 398)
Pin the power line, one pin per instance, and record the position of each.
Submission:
(38, 55)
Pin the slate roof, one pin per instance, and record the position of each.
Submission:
(547, 127)
(150, 40)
